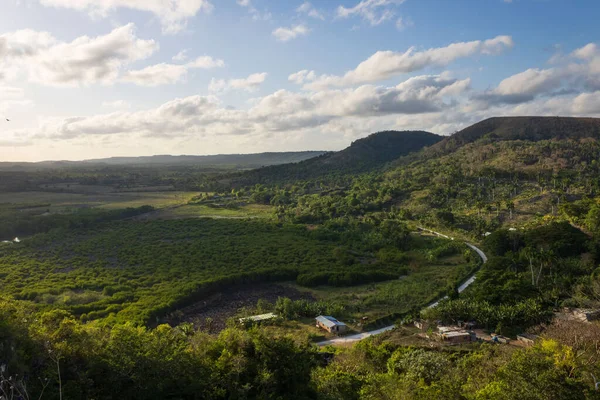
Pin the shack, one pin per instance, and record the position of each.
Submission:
(458, 337)
(258, 318)
(331, 324)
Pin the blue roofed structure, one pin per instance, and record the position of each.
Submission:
(331, 324)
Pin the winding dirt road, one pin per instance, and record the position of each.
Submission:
(364, 335)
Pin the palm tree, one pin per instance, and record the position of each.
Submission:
(530, 253)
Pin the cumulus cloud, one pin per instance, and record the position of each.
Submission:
(249, 84)
(12, 98)
(282, 111)
(85, 60)
(575, 73)
(181, 56)
(173, 14)
(387, 64)
(373, 11)
(284, 34)
(164, 73)
(308, 9)
(303, 76)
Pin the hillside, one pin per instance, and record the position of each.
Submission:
(240, 161)
(532, 129)
(361, 156)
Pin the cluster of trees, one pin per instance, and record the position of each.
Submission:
(292, 309)
(374, 371)
(52, 355)
(497, 317)
(15, 223)
(138, 271)
(544, 262)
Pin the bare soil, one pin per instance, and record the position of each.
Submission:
(226, 304)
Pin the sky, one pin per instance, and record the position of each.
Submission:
(83, 79)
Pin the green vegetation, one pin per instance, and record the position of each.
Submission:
(137, 271)
(109, 253)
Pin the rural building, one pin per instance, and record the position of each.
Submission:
(258, 318)
(455, 335)
(527, 338)
(458, 337)
(331, 324)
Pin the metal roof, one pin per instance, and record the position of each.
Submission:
(449, 335)
(258, 318)
(329, 321)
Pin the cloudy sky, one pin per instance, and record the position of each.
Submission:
(96, 78)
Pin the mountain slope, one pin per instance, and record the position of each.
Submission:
(241, 161)
(362, 155)
(533, 129)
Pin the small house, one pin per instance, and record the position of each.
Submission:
(331, 324)
(458, 337)
(258, 318)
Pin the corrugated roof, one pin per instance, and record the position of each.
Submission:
(257, 318)
(456, 334)
(329, 321)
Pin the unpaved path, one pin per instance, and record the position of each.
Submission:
(364, 335)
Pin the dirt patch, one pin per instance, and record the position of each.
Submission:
(224, 305)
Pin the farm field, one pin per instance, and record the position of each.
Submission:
(202, 211)
(66, 201)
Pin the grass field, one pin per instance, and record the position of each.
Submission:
(55, 202)
(200, 210)
(375, 300)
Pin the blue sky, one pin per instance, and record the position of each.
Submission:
(95, 78)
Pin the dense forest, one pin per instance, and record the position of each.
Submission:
(109, 295)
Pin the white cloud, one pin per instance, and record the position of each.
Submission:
(84, 61)
(164, 74)
(387, 64)
(11, 98)
(250, 84)
(282, 111)
(173, 14)
(303, 76)
(575, 73)
(117, 104)
(373, 11)
(284, 34)
(308, 9)
(156, 75)
(403, 23)
(206, 62)
(181, 56)
(256, 15)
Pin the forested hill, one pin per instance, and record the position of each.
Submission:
(532, 129)
(362, 155)
(241, 161)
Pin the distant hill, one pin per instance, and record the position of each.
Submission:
(533, 129)
(239, 161)
(363, 155)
